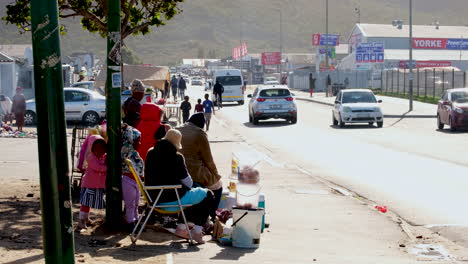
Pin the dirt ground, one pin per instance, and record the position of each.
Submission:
(21, 238)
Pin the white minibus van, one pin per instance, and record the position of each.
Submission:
(233, 84)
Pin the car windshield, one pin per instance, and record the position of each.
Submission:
(229, 80)
(358, 97)
(460, 97)
(275, 93)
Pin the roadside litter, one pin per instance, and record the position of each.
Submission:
(7, 131)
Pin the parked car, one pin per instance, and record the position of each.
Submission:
(452, 109)
(272, 101)
(357, 106)
(88, 85)
(80, 105)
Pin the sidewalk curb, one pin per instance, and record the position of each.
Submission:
(387, 116)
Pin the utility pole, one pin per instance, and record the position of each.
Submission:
(411, 76)
(113, 86)
(240, 43)
(57, 221)
(281, 41)
(358, 12)
(326, 35)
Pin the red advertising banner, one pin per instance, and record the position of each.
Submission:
(244, 49)
(271, 58)
(426, 64)
(316, 39)
(429, 43)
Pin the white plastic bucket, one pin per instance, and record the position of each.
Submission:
(246, 232)
(247, 195)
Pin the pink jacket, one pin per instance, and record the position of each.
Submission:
(96, 172)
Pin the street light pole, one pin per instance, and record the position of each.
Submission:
(56, 212)
(114, 162)
(281, 41)
(326, 34)
(411, 76)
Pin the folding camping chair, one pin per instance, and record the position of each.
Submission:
(154, 204)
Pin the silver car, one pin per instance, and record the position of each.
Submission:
(80, 105)
(357, 106)
(272, 101)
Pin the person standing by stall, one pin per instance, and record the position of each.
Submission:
(19, 108)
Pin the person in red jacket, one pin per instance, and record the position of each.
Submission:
(150, 122)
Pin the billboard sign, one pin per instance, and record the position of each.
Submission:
(271, 58)
(325, 40)
(322, 59)
(370, 53)
(440, 43)
(425, 64)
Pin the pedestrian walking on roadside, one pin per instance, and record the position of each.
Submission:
(329, 86)
(5, 108)
(93, 182)
(167, 88)
(19, 108)
(182, 87)
(208, 108)
(185, 106)
(218, 91)
(346, 83)
(198, 107)
(311, 84)
(174, 87)
(131, 140)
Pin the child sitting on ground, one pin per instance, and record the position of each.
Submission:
(93, 183)
(198, 107)
(185, 106)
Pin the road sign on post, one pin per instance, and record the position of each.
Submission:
(114, 163)
(57, 221)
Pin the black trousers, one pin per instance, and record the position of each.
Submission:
(199, 213)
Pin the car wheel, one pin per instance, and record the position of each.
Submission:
(440, 125)
(293, 120)
(29, 118)
(452, 127)
(380, 124)
(371, 124)
(341, 123)
(241, 102)
(334, 121)
(255, 121)
(91, 118)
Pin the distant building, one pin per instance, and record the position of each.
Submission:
(433, 45)
(7, 75)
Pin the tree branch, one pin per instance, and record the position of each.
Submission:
(85, 13)
(135, 29)
(69, 15)
(127, 16)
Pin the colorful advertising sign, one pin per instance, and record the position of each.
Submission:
(239, 51)
(425, 64)
(439, 43)
(325, 40)
(370, 53)
(321, 59)
(271, 58)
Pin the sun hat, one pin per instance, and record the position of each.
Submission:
(175, 137)
(138, 86)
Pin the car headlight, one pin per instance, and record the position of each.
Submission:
(458, 110)
(347, 109)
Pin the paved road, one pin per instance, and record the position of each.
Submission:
(408, 165)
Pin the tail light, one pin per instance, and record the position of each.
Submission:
(260, 99)
(289, 99)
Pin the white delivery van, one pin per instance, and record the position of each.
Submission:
(233, 84)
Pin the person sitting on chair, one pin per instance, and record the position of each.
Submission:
(166, 166)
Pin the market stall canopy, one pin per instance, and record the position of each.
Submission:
(150, 75)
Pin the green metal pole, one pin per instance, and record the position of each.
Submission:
(57, 221)
(113, 85)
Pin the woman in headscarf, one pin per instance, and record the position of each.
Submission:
(131, 139)
(132, 107)
(166, 166)
(197, 152)
(19, 108)
(150, 123)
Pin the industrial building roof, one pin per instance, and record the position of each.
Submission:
(5, 58)
(419, 31)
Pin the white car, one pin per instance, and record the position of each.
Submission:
(357, 106)
(272, 101)
(80, 105)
